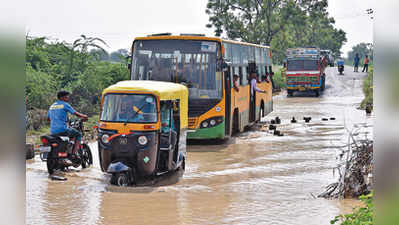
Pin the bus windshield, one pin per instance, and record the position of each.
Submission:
(191, 62)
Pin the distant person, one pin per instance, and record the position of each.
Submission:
(254, 89)
(356, 63)
(366, 64)
(235, 83)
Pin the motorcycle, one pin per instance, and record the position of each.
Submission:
(340, 65)
(341, 69)
(56, 149)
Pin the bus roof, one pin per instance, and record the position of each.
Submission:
(184, 37)
(196, 37)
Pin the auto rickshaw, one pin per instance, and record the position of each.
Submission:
(142, 130)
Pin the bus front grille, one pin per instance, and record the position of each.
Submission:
(192, 122)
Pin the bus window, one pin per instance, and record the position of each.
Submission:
(227, 53)
(244, 54)
(244, 75)
(251, 54)
(236, 54)
(257, 55)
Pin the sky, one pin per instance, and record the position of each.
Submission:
(118, 22)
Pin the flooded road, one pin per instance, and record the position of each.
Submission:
(254, 178)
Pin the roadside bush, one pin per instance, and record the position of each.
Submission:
(40, 88)
(368, 89)
(279, 78)
(363, 215)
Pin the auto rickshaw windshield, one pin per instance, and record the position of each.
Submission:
(134, 108)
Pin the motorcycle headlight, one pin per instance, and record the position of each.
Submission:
(213, 122)
(105, 138)
(205, 124)
(142, 140)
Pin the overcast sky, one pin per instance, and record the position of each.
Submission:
(118, 22)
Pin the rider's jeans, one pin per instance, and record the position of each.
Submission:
(72, 132)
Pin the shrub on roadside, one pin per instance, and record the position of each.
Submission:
(363, 215)
(279, 78)
(368, 89)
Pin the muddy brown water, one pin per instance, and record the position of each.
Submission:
(253, 178)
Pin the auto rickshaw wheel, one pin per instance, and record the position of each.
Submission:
(120, 179)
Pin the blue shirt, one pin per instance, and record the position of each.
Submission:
(356, 60)
(58, 114)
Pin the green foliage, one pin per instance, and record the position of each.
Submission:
(363, 215)
(51, 67)
(39, 88)
(368, 89)
(279, 23)
(119, 55)
(279, 78)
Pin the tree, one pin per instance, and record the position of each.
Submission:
(119, 55)
(81, 45)
(99, 54)
(278, 23)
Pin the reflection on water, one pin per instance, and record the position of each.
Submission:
(254, 178)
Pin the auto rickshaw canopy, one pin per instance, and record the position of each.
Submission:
(164, 90)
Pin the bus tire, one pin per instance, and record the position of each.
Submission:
(290, 93)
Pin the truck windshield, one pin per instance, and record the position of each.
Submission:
(136, 108)
(302, 65)
(191, 62)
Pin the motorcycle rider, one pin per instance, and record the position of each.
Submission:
(58, 117)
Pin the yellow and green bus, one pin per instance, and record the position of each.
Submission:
(206, 65)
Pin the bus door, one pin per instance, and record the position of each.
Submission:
(227, 91)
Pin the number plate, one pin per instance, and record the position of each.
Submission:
(45, 148)
(123, 141)
(301, 88)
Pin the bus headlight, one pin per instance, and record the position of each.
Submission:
(105, 138)
(142, 140)
(213, 122)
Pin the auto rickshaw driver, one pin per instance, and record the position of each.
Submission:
(130, 109)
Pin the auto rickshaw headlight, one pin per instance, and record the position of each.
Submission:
(142, 140)
(205, 124)
(105, 138)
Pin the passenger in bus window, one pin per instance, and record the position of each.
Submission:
(253, 84)
(235, 82)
